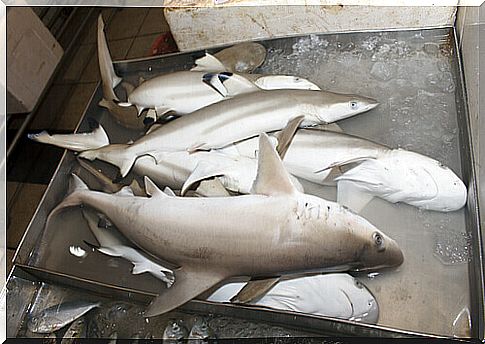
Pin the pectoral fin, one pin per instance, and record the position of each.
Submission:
(189, 283)
(344, 163)
(329, 127)
(286, 136)
(276, 82)
(195, 147)
(237, 84)
(254, 289)
(110, 251)
(202, 171)
(351, 196)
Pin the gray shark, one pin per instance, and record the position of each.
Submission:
(276, 230)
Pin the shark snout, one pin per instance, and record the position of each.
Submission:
(389, 257)
(370, 103)
(396, 257)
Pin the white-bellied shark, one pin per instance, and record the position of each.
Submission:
(336, 295)
(363, 169)
(276, 230)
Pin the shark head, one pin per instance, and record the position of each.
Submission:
(360, 245)
(329, 107)
(378, 251)
(363, 304)
(403, 176)
(445, 190)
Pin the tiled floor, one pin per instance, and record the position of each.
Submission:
(32, 165)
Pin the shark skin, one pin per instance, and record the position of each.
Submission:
(235, 119)
(177, 170)
(169, 92)
(276, 230)
(364, 169)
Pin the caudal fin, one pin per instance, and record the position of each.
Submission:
(77, 189)
(75, 142)
(116, 154)
(108, 76)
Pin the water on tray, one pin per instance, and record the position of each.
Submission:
(410, 74)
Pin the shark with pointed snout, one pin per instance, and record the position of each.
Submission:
(274, 231)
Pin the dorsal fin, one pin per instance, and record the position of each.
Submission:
(272, 177)
(208, 63)
(152, 189)
(169, 192)
(229, 84)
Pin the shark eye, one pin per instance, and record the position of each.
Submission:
(353, 105)
(442, 166)
(379, 241)
(358, 284)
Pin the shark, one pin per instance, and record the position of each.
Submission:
(238, 118)
(179, 170)
(276, 230)
(363, 169)
(214, 78)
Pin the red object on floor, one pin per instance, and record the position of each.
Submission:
(164, 44)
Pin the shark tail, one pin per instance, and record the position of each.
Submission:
(77, 189)
(119, 155)
(108, 75)
(75, 142)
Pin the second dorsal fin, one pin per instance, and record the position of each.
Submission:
(272, 177)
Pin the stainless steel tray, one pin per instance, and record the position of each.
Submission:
(415, 299)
